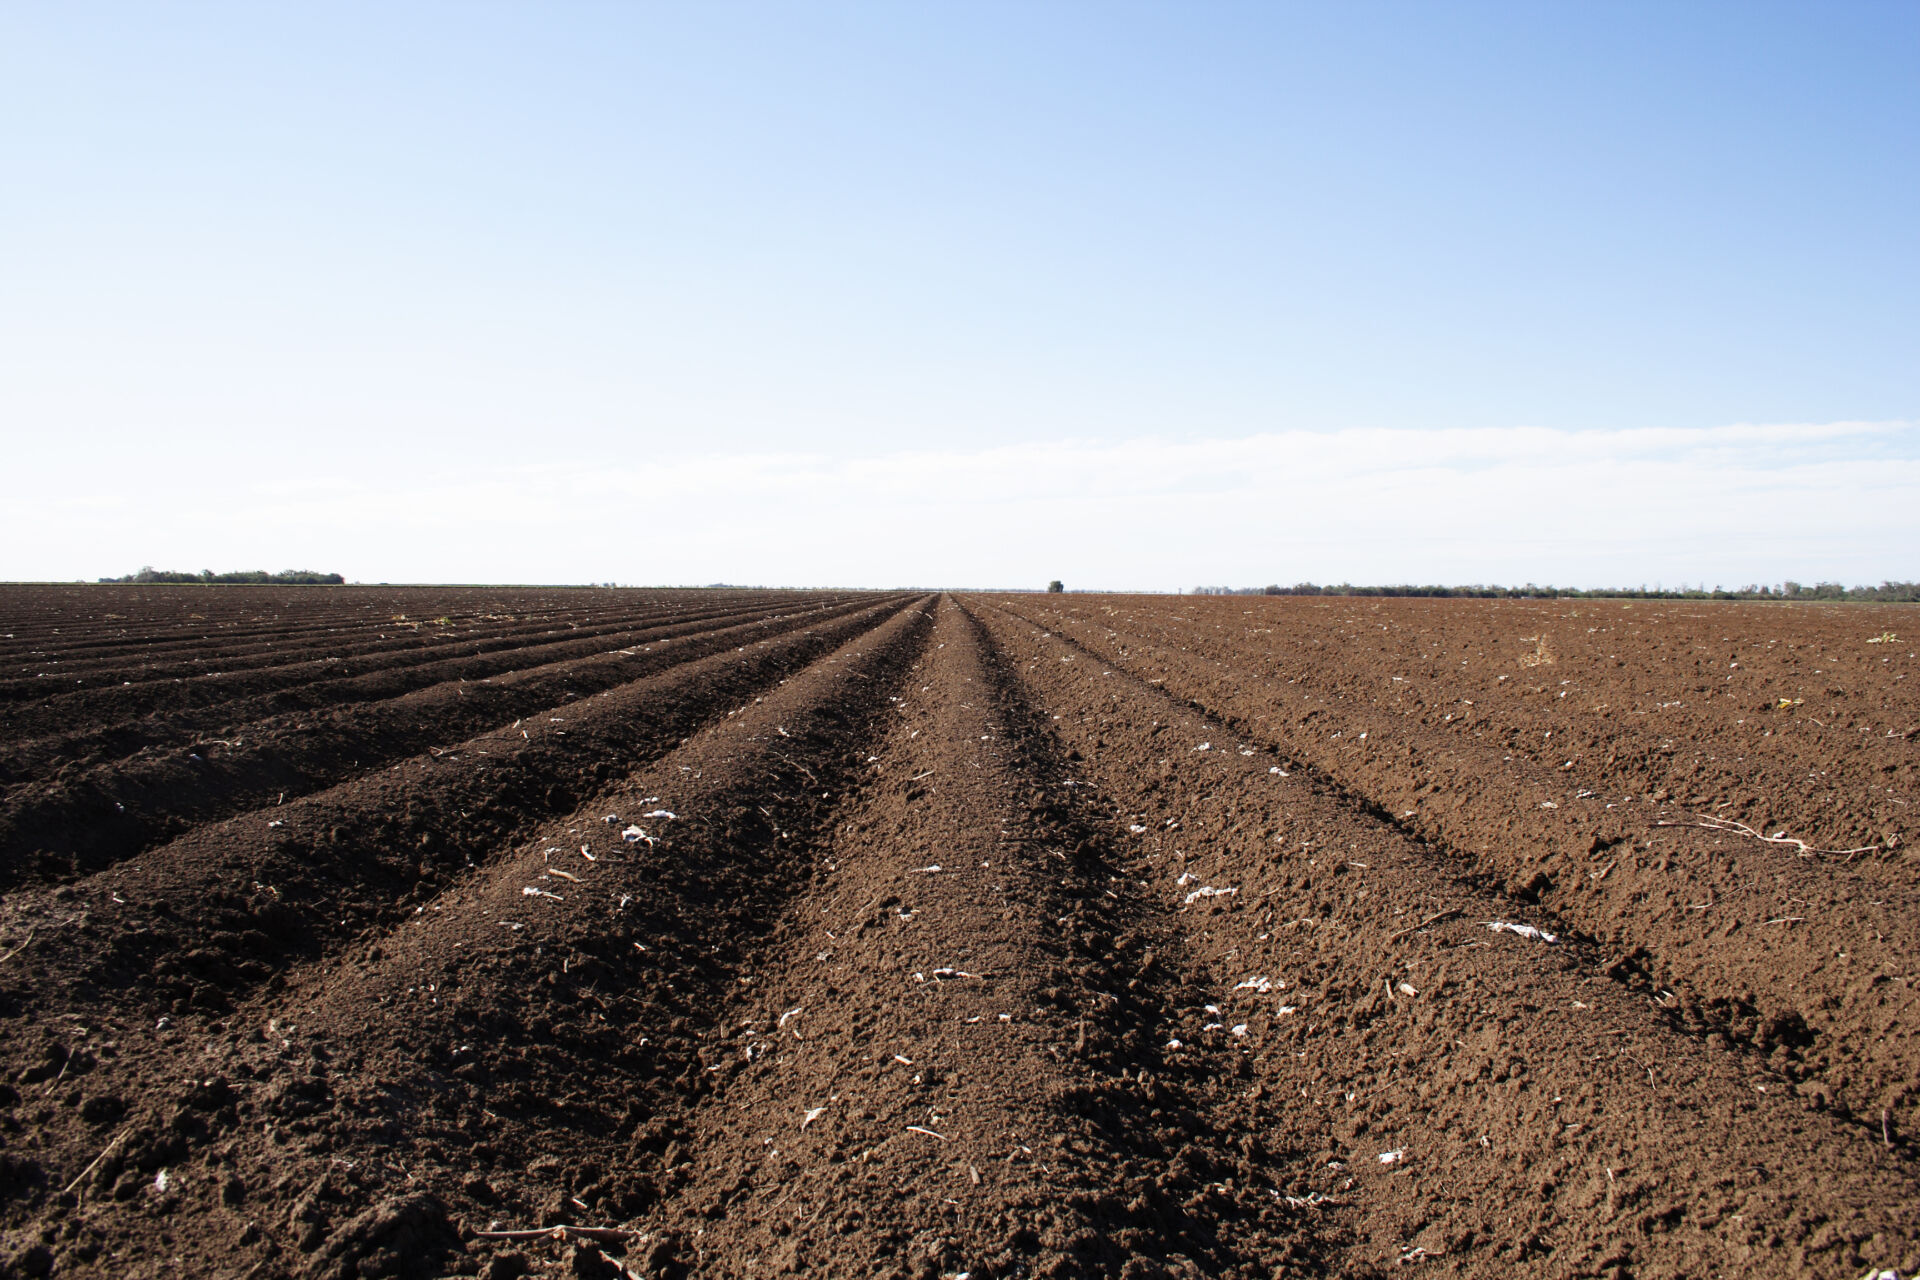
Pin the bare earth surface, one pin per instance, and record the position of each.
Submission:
(360, 932)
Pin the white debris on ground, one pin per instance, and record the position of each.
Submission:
(1208, 891)
(1524, 930)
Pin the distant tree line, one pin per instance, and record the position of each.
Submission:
(286, 577)
(1897, 592)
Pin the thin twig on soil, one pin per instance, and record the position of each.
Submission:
(104, 1153)
(604, 1234)
(22, 947)
(1423, 924)
(1729, 826)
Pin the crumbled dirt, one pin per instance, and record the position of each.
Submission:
(746, 934)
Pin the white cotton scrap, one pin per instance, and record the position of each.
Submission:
(788, 1014)
(660, 813)
(813, 1113)
(1186, 877)
(1392, 1157)
(1205, 746)
(1524, 930)
(532, 892)
(1136, 828)
(1255, 982)
(1240, 1029)
(1208, 891)
(1173, 1044)
(634, 835)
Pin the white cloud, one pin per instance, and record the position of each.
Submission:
(1723, 505)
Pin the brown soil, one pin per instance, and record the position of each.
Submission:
(780, 933)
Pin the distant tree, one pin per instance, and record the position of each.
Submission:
(1056, 585)
(296, 577)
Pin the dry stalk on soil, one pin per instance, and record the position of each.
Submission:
(599, 1235)
(1707, 822)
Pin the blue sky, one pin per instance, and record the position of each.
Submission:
(361, 263)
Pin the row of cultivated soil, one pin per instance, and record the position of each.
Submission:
(925, 936)
(1716, 796)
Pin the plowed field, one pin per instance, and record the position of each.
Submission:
(462, 931)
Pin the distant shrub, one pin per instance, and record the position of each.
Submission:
(1056, 585)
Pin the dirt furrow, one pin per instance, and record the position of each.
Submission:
(521, 1048)
(283, 639)
(115, 810)
(187, 926)
(234, 655)
(190, 619)
(191, 655)
(944, 1063)
(1808, 962)
(83, 743)
(1493, 1100)
(321, 679)
(1802, 718)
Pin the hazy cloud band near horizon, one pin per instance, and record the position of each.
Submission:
(1723, 505)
